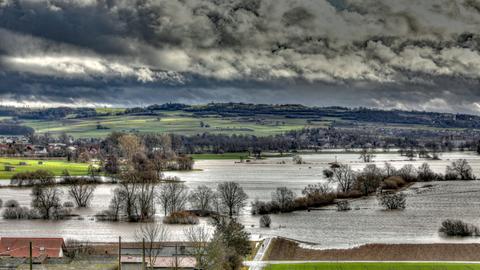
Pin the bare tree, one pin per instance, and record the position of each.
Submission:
(173, 196)
(232, 197)
(46, 199)
(367, 154)
(389, 170)
(461, 169)
(130, 145)
(201, 198)
(369, 179)
(343, 176)
(153, 235)
(200, 237)
(284, 198)
(81, 191)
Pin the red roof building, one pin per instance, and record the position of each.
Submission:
(19, 247)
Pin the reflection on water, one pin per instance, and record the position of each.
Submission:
(427, 206)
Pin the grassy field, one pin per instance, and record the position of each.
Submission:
(170, 122)
(55, 166)
(237, 155)
(374, 266)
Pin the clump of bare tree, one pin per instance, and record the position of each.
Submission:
(392, 201)
(459, 170)
(46, 199)
(284, 198)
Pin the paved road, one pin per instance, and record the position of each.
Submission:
(257, 263)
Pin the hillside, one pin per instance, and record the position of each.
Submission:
(222, 118)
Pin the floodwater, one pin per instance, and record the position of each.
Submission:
(428, 204)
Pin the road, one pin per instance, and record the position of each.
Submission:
(257, 263)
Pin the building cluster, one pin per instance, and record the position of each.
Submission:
(16, 251)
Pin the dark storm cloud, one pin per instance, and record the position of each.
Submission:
(408, 54)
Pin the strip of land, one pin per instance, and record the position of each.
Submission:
(286, 250)
(374, 266)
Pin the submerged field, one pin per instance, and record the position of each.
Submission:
(374, 266)
(54, 166)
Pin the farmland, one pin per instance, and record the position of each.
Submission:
(373, 266)
(170, 122)
(54, 166)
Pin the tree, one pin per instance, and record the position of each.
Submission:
(232, 197)
(297, 159)
(111, 166)
(284, 198)
(185, 163)
(317, 189)
(201, 198)
(81, 191)
(343, 176)
(265, 221)
(369, 179)
(153, 234)
(200, 237)
(392, 201)
(130, 145)
(424, 173)
(173, 196)
(408, 173)
(389, 170)
(461, 169)
(234, 239)
(46, 198)
(367, 155)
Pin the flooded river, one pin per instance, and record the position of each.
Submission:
(427, 206)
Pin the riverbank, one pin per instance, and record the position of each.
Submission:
(286, 250)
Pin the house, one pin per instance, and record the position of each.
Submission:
(19, 247)
(162, 262)
(169, 254)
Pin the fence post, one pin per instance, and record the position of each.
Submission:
(119, 253)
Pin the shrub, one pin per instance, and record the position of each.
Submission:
(392, 201)
(68, 204)
(393, 182)
(265, 221)
(183, 217)
(343, 206)
(353, 194)
(11, 204)
(106, 215)
(19, 213)
(454, 227)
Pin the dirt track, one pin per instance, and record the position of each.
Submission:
(282, 249)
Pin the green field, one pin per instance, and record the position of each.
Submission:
(374, 266)
(170, 122)
(55, 166)
(238, 155)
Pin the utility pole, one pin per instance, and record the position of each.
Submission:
(143, 254)
(31, 255)
(119, 253)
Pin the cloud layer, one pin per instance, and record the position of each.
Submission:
(409, 54)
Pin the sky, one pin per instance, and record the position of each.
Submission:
(389, 54)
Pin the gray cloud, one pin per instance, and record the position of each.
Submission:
(408, 54)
